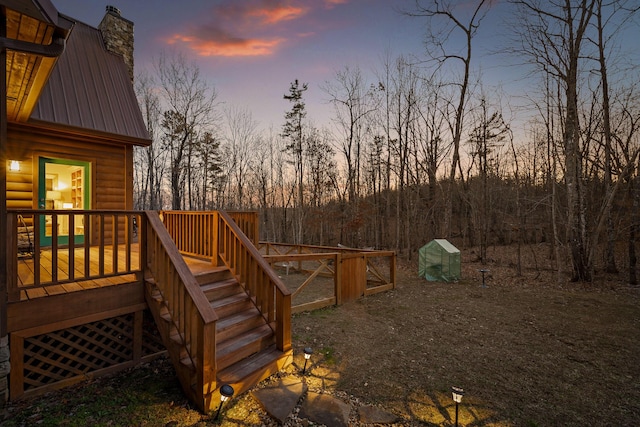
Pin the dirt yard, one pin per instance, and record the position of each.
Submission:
(528, 351)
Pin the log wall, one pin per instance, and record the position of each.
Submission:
(111, 166)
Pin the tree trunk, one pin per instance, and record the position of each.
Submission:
(633, 230)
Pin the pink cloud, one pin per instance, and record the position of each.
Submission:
(277, 14)
(248, 28)
(333, 3)
(230, 47)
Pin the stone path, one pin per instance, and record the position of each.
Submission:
(290, 395)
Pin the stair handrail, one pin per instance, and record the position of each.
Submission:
(257, 277)
(191, 313)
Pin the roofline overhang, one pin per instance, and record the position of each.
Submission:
(52, 50)
(42, 10)
(80, 133)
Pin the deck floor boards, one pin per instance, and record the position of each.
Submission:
(26, 270)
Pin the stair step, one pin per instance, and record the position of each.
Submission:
(256, 364)
(164, 314)
(187, 362)
(244, 345)
(213, 274)
(238, 323)
(232, 304)
(221, 289)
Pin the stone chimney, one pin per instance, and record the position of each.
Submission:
(117, 34)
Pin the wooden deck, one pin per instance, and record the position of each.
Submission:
(26, 271)
(127, 290)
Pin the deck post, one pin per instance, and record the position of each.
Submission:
(143, 245)
(137, 336)
(4, 341)
(5, 368)
(215, 241)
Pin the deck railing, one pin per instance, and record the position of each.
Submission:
(193, 232)
(271, 296)
(248, 223)
(226, 241)
(50, 248)
(190, 311)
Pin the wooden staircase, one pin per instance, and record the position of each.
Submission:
(245, 343)
(245, 350)
(238, 344)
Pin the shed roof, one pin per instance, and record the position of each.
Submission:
(90, 89)
(447, 246)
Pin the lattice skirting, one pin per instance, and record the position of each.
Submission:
(66, 356)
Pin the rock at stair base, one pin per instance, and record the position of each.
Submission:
(374, 415)
(325, 409)
(279, 399)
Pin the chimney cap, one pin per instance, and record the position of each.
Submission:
(113, 9)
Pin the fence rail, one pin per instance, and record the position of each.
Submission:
(354, 272)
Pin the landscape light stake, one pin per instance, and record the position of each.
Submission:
(226, 392)
(457, 397)
(483, 271)
(308, 351)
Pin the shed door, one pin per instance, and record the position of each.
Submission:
(63, 185)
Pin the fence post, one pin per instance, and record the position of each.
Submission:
(337, 279)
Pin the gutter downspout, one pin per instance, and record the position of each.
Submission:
(54, 49)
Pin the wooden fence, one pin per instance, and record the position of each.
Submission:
(353, 272)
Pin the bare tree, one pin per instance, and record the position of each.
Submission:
(293, 129)
(210, 165)
(321, 167)
(605, 14)
(241, 138)
(149, 160)
(553, 33)
(191, 107)
(433, 148)
(353, 102)
(443, 21)
(485, 136)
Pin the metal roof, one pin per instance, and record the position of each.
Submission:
(90, 89)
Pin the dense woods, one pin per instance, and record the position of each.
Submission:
(424, 148)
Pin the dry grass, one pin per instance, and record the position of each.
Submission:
(528, 350)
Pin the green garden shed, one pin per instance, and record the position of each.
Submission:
(439, 260)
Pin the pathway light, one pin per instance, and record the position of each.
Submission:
(457, 393)
(226, 393)
(308, 351)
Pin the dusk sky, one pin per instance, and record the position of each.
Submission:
(251, 50)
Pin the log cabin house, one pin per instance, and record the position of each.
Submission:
(87, 285)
